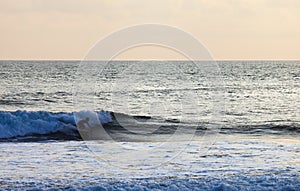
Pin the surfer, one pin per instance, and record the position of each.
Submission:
(84, 123)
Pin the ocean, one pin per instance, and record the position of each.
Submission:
(150, 125)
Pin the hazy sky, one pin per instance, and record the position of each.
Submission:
(230, 29)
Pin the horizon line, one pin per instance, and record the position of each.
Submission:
(79, 60)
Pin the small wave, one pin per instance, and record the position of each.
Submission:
(24, 126)
(36, 123)
(263, 129)
(44, 125)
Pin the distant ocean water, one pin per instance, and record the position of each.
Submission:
(256, 145)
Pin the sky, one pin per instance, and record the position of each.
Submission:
(229, 29)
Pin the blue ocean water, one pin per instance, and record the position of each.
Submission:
(170, 125)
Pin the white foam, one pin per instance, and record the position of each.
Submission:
(21, 123)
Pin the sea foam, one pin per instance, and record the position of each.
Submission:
(22, 123)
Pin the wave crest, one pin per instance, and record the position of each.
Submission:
(24, 123)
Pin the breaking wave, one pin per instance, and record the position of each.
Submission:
(44, 125)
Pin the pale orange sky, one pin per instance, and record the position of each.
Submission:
(230, 29)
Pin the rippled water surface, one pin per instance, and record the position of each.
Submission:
(245, 125)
